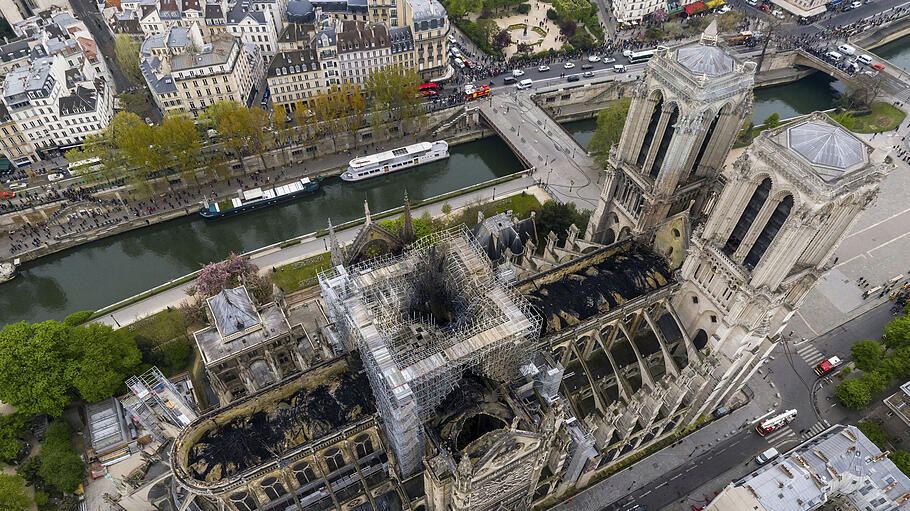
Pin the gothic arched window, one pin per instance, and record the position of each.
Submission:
(778, 217)
(243, 501)
(303, 472)
(363, 445)
(272, 488)
(759, 196)
(333, 459)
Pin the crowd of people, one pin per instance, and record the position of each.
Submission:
(83, 211)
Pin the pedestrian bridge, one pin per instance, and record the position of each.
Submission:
(557, 161)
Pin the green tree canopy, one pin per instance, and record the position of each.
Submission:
(60, 465)
(33, 360)
(610, 122)
(11, 426)
(772, 121)
(13, 496)
(897, 332)
(101, 359)
(40, 363)
(867, 355)
(854, 393)
(573, 9)
(874, 432)
(558, 217)
(126, 49)
(901, 458)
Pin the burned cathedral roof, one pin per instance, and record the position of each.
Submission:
(595, 284)
(264, 426)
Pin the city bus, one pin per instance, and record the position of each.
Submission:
(428, 89)
(766, 426)
(85, 166)
(640, 56)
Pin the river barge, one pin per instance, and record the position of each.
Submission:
(258, 198)
(386, 162)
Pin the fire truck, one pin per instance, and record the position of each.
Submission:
(769, 425)
(826, 366)
(472, 91)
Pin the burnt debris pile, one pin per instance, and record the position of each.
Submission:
(606, 280)
(434, 299)
(323, 403)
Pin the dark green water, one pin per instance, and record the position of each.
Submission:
(98, 274)
(815, 92)
(896, 52)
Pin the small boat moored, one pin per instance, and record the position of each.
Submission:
(9, 270)
(402, 158)
(257, 198)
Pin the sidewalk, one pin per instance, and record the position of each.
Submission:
(650, 469)
(309, 247)
(179, 200)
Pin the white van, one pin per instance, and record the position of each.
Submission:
(619, 68)
(864, 59)
(524, 84)
(767, 456)
(834, 56)
(846, 49)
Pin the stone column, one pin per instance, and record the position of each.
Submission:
(758, 225)
(691, 352)
(599, 219)
(665, 114)
(732, 200)
(784, 251)
(670, 364)
(681, 148)
(646, 377)
(722, 139)
(636, 126)
(621, 384)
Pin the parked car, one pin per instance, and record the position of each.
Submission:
(619, 68)
(573, 78)
(856, 4)
(767, 456)
(525, 84)
(589, 74)
(725, 9)
(7, 195)
(517, 72)
(864, 59)
(594, 58)
(846, 49)
(543, 69)
(18, 186)
(878, 67)
(586, 66)
(568, 65)
(56, 176)
(608, 60)
(509, 80)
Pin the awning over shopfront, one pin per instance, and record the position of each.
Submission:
(714, 3)
(793, 9)
(693, 8)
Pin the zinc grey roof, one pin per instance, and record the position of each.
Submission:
(106, 426)
(14, 50)
(701, 59)
(831, 149)
(178, 37)
(843, 460)
(402, 39)
(159, 84)
(80, 101)
(424, 10)
(233, 311)
(219, 54)
(499, 231)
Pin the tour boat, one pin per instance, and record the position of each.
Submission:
(8, 271)
(402, 158)
(257, 198)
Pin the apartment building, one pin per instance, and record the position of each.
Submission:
(185, 73)
(55, 86)
(362, 49)
(13, 144)
(256, 23)
(627, 11)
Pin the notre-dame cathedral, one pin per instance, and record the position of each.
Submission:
(497, 368)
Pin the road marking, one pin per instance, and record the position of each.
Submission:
(876, 224)
(645, 493)
(661, 484)
(677, 476)
(690, 469)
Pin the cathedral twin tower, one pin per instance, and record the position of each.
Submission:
(766, 224)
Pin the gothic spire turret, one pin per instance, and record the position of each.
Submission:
(407, 223)
(336, 252)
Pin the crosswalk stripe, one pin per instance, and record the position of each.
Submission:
(814, 360)
(806, 349)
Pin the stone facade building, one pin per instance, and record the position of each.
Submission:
(247, 348)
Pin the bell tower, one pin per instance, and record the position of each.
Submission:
(790, 200)
(681, 125)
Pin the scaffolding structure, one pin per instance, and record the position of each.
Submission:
(156, 399)
(420, 319)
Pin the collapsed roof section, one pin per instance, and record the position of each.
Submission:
(218, 448)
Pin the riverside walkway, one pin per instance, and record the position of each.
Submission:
(310, 245)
